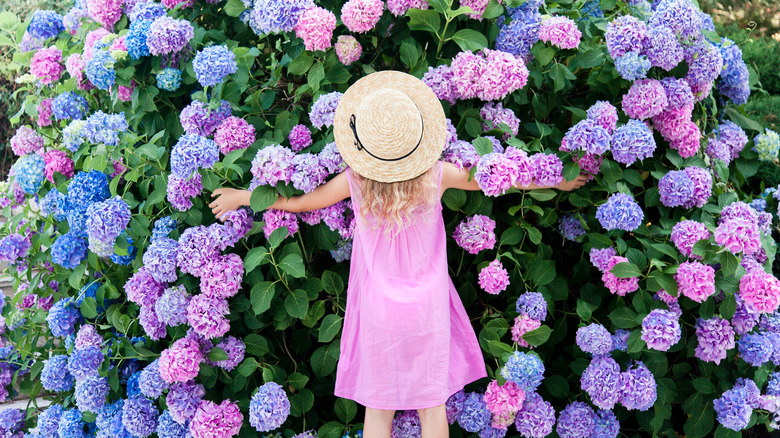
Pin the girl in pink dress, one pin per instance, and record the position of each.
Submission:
(407, 342)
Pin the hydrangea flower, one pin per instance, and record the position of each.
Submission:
(205, 315)
(85, 362)
(169, 79)
(87, 336)
(576, 421)
(521, 34)
(570, 227)
(183, 400)
(588, 136)
(716, 337)
(638, 388)
(181, 191)
(29, 173)
(696, 280)
(594, 339)
(46, 65)
(275, 219)
(767, 144)
(646, 98)
(62, 317)
(494, 278)
(632, 142)
(269, 407)
(760, 290)
(488, 74)
(137, 37)
(536, 418)
(625, 34)
(660, 330)
(213, 64)
(107, 219)
(560, 31)
(274, 16)
(533, 305)
(733, 410)
(307, 172)
(405, 424)
(686, 233)
(139, 416)
(600, 258)
(216, 420)
(663, 48)
(496, 173)
(55, 375)
(150, 382)
(49, 420)
(604, 114)
(315, 26)
(525, 369)
(474, 414)
(167, 35)
(13, 247)
(69, 250)
(171, 307)
(45, 24)
(70, 424)
(26, 141)
(600, 380)
(273, 164)
(675, 188)
(348, 49)
(324, 109)
(91, 393)
(360, 16)
(57, 161)
(523, 324)
(620, 212)
(181, 361)
(462, 154)
(235, 350)
(192, 152)
(100, 70)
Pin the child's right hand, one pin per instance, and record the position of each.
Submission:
(229, 199)
(567, 186)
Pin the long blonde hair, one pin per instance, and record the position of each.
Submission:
(393, 203)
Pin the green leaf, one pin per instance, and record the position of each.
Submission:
(217, 354)
(297, 304)
(635, 342)
(315, 76)
(454, 199)
(728, 307)
(345, 409)
(329, 327)
(483, 146)
(301, 64)
(292, 264)
(262, 197)
(74, 279)
(427, 20)
(534, 235)
(701, 416)
(542, 194)
(410, 54)
(741, 120)
(665, 281)
(544, 271)
(331, 429)
(332, 283)
(557, 385)
(247, 367)
(261, 295)
(560, 75)
(298, 380)
(623, 317)
(277, 237)
(539, 336)
(703, 385)
(625, 270)
(256, 257)
(469, 39)
(585, 309)
(89, 308)
(234, 8)
(542, 53)
(512, 235)
(728, 263)
(256, 345)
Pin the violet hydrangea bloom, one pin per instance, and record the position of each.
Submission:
(588, 136)
(275, 219)
(235, 350)
(84, 363)
(494, 114)
(62, 317)
(716, 337)
(675, 188)
(638, 389)
(211, 419)
(233, 134)
(181, 361)
(324, 109)
(160, 259)
(475, 234)
(222, 276)
(142, 289)
(90, 393)
(620, 212)
(496, 173)
(55, 375)
(493, 278)
(733, 409)
(405, 424)
(594, 339)
(646, 98)
(171, 307)
(299, 138)
(168, 35)
(532, 304)
(274, 16)
(745, 317)
(183, 399)
(272, 164)
(686, 233)
(150, 382)
(26, 141)
(604, 114)
(696, 280)
(600, 380)
(198, 245)
(269, 407)
(213, 64)
(632, 66)
(87, 336)
(536, 418)
(307, 172)
(139, 416)
(756, 348)
(462, 154)
(702, 186)
(474, 414)
(625, 34)
(182, 190)
(107, 219)
(192, 152)
(663, 48)
(661, 329)
(548, 170)
(570, 227)
(14, 247)
(632, 142)
(576, 421)
(600, 258)
(206, 316)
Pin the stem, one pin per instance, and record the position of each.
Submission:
(441, 38)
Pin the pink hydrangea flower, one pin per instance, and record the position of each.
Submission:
(105, 12)
(696, 280)
(604, 114)
(689, 140)
(125, 93)
(478, 6)
(670, 123)
(348, 49)
(589, 163)
(222, 276)
(75, 66)
(44, 112)
(488, 74)
(181, 361)
(493, 278)
(46, 65)
(738, 236)
(686, 233)
(646, 98)
(213, 420)
(315, 26)
(170, 4)
(118, 44)
(89, 41)
(206, 316)
(233, 134)
(548, 169)
(399, 7)
(57, 161)
(300, 138)
(503, 402)
(276, 219)
(360, 16)
(761, 290)
(26, 141)
(527, 169)
(496, 173)
(523, 324)
(618, 286)
(560, 31)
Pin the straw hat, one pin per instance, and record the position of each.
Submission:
(389, 126)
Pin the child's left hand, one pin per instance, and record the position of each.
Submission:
(574, 184)
(229, 199)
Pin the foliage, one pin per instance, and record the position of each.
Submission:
(290, 309)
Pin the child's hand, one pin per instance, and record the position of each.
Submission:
(576, 183)
(229, 199)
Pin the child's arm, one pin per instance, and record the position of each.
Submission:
(323, 196)
(455, 178)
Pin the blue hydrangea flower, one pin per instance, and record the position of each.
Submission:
(594, 339)
(133, 391)
(213, 64)
(146, 11)
(55, 375)
(131, 252)
(106, 220)
(109, 421)
(577, 420)
(71, 135)
(104, 128)
(732, 409)
(269, 407)
(474, 414)
(91, 393)
(100, 69)
(136, 38)
(755, 348)
(632, 66)
(758, 204)
(591, 8)
(150, 382)
(49, 420)
(28, 173)
(675, 188)
(86, 188)
(62, 317)
(192, 152)
(45, 24)
(69, 105)
(620, 212)
(607, 425)
(71, 424)
(588, 136)
(274, 16)
(168, 428)
(525, 369)
(139, 415)
(51, 204)
(570, 227)
(160, 259)
(69, 250)
(773, 384)
(518, 36)
(632, 142)
(169, 79)
(85, 362)
(532, 304)
(163, 227)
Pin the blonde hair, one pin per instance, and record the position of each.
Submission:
(393, 203)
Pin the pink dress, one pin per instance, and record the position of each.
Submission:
(407, 341)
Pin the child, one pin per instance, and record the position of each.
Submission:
(407, 342)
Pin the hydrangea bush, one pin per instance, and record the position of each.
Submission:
(644, 302)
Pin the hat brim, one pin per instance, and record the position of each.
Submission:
(433, 138)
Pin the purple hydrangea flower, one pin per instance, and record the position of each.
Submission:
(638, 389)
(192, 152)
(139, 415)
(661, 329)
(269, 407)
(576, 421)
(600, 258)
(474, 414)
(632, 142)
(755, 348)
(324, 109)
(536, 418)
(55, 375)
(84, 363)
(439, 80)
(533, 305)
(168, 35)
(272, 164)
(663, 49)
(171, 307)
(198, 118)
(91, 393)
(183, 399)
(620, 212)
(160, 259)
(632, 66)
(600, 380)
(715, 338)
(589, 136)
(150, 382)
(307, 172)
(594, 339)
